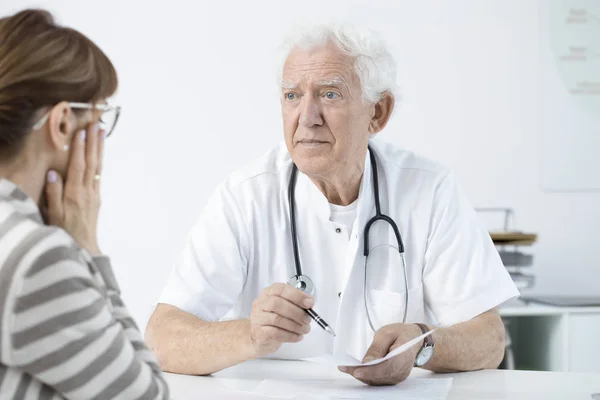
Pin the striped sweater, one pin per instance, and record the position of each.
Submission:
(65, 332)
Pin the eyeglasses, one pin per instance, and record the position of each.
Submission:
(108, 121)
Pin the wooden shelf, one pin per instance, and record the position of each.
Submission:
(513, 238)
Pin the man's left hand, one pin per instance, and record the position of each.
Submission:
(394, 370)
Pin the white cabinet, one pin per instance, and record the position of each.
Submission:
(584, 336)
(545, 338)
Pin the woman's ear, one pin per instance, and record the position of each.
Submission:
(382, 113)
(61, 125)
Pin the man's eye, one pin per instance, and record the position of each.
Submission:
(331, 95)
(290, 96)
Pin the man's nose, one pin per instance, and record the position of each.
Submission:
(311, 113)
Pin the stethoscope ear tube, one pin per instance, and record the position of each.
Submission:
(292, 205)
(378, 215)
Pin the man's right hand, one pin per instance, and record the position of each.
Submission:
(278, 316)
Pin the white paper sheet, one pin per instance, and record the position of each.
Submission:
(349, 361)
(411, 389)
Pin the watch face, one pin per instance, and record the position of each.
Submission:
(424, 355)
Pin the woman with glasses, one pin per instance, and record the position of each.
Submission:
(65, 332)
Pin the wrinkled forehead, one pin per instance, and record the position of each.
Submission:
(318, 66)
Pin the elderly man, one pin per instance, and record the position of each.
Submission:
(302, 210)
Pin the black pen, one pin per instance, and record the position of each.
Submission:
(319, 320)
(301, 285)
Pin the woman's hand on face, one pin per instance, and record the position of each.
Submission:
(74, 205)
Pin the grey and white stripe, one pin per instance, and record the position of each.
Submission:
(65, 332)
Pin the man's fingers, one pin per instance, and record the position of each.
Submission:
(291, 294)
(392, 371)
(283, 307)
(378, 349)
(381, 374)
(280, 335)
(277, 321)
(372, 372)
(91, 154)
(54, 196)
(380, 346)
(388, 381)
(76, 169)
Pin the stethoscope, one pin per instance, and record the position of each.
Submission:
(303, 282)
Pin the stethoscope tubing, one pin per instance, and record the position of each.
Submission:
(303, 282)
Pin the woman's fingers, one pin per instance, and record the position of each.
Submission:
(91, 155)
(76, 170)
(54, 197)
(100, 157)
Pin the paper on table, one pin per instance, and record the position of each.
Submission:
(412, 388)
(342, 359)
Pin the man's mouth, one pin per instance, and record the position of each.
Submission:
(311, 142)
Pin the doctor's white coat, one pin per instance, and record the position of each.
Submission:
(242, 244)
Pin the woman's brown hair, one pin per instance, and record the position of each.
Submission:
(42, 64)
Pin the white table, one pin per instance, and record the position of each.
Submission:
(490, 384)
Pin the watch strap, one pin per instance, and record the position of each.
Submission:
(428, 341)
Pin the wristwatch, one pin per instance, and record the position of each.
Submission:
(426, 352)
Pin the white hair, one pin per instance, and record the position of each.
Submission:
(374, 64)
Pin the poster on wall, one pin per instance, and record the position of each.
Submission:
(570, 90)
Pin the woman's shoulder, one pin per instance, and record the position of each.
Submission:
(53, 240)
(31, 247)
(36, 263)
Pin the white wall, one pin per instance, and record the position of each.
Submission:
(199, 100)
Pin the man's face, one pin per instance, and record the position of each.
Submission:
(325, 120)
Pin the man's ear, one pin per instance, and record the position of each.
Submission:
(60, 126)
(382, 113)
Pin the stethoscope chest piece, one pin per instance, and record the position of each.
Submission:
(303, 283)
